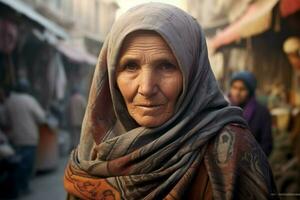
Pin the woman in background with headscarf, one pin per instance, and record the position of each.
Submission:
(242, 94)
(157, 125)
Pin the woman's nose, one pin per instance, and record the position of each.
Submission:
(148, 85)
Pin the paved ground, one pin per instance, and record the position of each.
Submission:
(48, 186)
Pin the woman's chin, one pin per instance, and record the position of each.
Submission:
(151, 121)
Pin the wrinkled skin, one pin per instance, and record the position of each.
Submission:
(148, 78)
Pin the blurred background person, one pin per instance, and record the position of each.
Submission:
(9, 164)
(24, 115)
(292, 48)
(242, 94)
(9, 161)
(76, 110)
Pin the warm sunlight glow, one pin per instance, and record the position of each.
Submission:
(127, 4)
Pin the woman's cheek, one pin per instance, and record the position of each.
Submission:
(172, 86)
(126, 85)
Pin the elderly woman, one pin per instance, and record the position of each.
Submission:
(157, 125)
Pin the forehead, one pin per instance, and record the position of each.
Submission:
(239, 83)
(140, 41)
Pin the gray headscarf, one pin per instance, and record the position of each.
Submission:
(143, 163)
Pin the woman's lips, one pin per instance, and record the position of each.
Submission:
(149, 106)
(144, 105)
(149, 109)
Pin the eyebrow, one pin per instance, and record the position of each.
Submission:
(125, 59)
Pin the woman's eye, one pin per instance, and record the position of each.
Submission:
(167, 66)
(130, 66)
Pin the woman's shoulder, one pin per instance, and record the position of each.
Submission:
(234, 137)
(235, 145)
(234, 159)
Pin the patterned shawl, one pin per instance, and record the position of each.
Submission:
(116, 157)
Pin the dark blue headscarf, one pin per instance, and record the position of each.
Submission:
(249, 80)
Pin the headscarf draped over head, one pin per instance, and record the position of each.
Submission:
(248, 79)
(135, 162)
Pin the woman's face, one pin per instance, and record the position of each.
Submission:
(148, 78)
(238, 93)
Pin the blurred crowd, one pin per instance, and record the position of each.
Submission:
(26, 130)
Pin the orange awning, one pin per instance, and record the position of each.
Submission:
(256, 20)
(289, 7)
